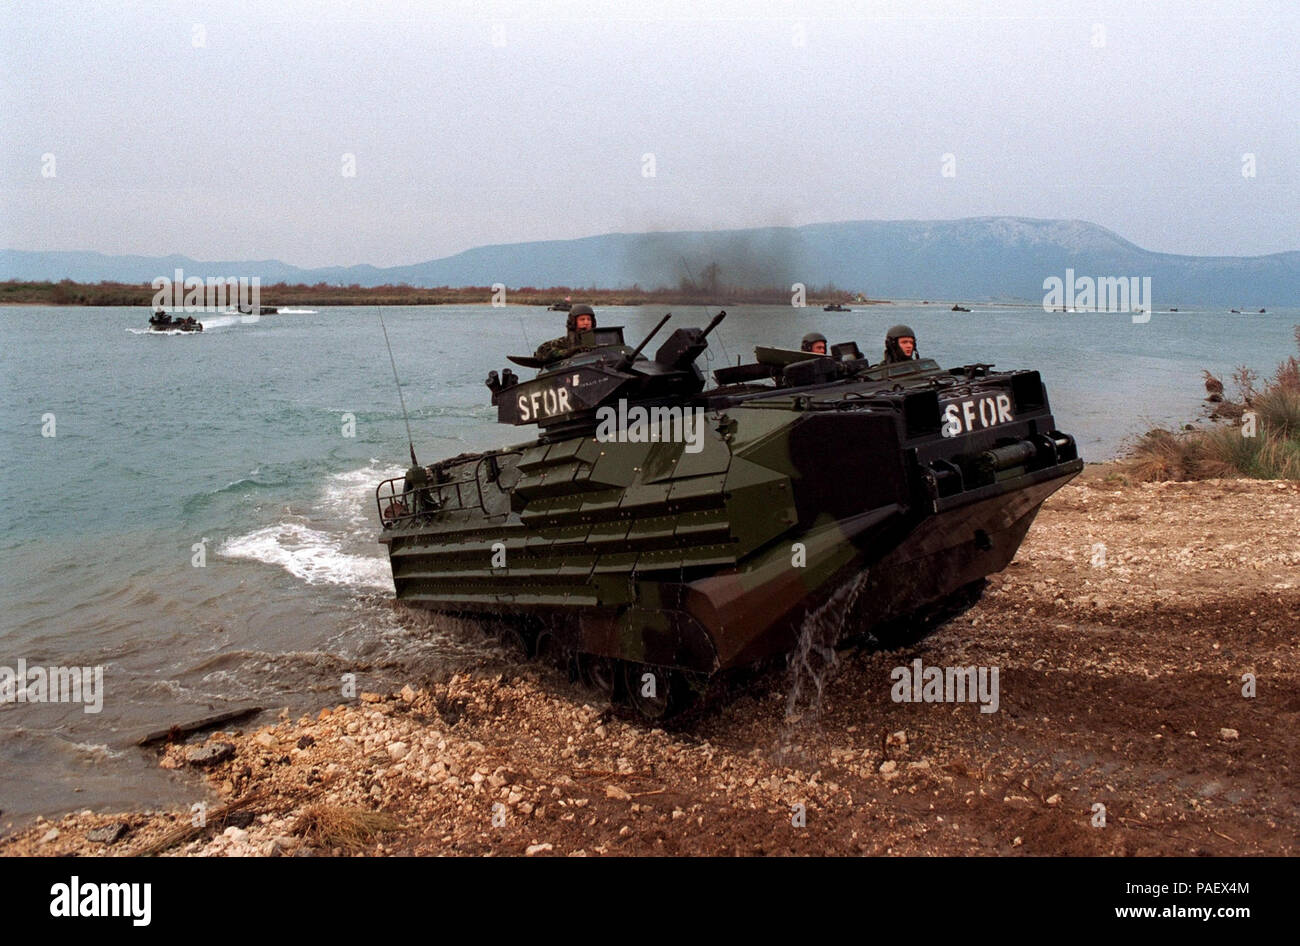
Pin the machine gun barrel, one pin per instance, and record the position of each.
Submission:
(713, 324)
(631, 357)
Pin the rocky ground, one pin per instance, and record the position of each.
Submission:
(1123, 634)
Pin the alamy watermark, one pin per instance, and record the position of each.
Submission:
(196, 294)
(53, 685)
(77, 899)
(921, 684)
(639, 424)
(1099, 294)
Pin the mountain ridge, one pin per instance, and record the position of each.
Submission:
(971, 258)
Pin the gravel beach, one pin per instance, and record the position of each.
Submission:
(1128, 635)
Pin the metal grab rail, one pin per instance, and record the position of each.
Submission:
(403, 506)
(399, 507)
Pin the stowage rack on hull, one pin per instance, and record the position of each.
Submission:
(700, 536)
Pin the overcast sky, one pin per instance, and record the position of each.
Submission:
(220, 130)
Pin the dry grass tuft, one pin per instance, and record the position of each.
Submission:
(331, 826)
(1161, 456)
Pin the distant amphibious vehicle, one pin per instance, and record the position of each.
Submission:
(162, 321)
(657, 532)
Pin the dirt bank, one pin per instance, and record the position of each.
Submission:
(1121, 635)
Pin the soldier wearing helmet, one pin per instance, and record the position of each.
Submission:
(900, 344)
(814, 342)
(582, 319)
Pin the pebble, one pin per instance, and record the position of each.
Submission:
(534, 849)
(210, 754)
(108, 834)
(50, 835)
(397, 750)
(277, 846)
(1229, 734)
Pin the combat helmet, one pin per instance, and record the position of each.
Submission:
(892, 351)
(811, 339)
(577, 310)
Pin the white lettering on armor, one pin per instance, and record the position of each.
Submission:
(975, 414)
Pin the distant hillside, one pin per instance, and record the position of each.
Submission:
(975, 259)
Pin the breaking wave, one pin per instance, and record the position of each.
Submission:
(326, 549)
(312, 555)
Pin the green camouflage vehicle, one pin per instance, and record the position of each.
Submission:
(657, 532)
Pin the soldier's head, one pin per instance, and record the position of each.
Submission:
(900, 343)
(814, 342)
(581, 319)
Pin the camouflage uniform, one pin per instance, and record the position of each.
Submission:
(553, 350)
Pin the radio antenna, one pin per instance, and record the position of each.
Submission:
(726, 356)
(410, 441)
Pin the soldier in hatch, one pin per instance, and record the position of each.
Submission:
(900, 344)
(581, 319)
(814, 342)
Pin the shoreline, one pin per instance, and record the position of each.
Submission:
(467, 303)
(1121, 686)
(596, 300)
(110, 294)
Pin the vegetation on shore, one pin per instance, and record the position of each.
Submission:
(1260, 438)
(67, 292)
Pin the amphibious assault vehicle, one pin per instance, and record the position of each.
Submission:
(162, 321)
(659, 530)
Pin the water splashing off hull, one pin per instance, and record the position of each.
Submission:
(814, 659)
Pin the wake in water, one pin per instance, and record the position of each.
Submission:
(326, 547)
(222, 320)
(298, 312)
(228, 319)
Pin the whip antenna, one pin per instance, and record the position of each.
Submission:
(410, 441)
